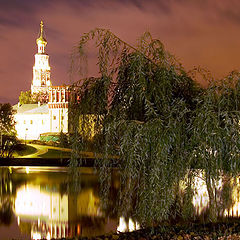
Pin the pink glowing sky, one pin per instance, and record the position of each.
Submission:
(198, 32)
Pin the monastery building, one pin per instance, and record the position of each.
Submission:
(32, 120)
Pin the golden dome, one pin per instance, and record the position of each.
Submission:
(41, 39)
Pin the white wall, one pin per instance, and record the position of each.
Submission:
(58, 119)
(30, 126)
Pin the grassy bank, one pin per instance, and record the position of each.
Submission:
(41, 151)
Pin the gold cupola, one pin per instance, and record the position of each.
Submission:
(41, 41)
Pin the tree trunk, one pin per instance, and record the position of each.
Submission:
(212, 201)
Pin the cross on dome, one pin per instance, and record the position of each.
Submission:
(41, 28)
(41, 41)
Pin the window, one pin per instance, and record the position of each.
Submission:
(58, 95)
(54, 117)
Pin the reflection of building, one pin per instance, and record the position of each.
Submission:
(46, 203)
(52, 214)
(52, 116)
(32, 202)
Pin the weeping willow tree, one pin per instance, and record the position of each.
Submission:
(215, 137)
(146, 116)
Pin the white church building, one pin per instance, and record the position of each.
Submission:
(32, 120)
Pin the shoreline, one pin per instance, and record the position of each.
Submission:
(43, 162)
(47, 162)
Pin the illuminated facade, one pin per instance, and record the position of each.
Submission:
(31, 120)
(52, 117)
(41, 69)
(58, 108)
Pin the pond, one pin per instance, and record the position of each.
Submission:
(51, 202)
(43, 202)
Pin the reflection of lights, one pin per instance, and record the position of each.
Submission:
(10, 186)
(137, 226)
(122, 227)
(30, 201)
(36, 236)
(18, 220)
(88, 204)
(200, 199)
(27, 170)
(234, 211)
(48, 236)
(78, 229)
(58, 231)
(131, 226)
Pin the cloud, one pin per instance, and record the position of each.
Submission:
(199, 32)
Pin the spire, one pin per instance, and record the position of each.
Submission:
(41, 29)
(41, 41)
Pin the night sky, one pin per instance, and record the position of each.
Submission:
(198, 32)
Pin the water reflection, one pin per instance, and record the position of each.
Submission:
(40, 203)
(44, 207)
(6, 212)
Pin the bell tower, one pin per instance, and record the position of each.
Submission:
(41, 69)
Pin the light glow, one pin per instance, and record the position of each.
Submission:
(234, 211)
(48, 236)
(200, 199)
(122, 227)
(130, 226)
(36, 236)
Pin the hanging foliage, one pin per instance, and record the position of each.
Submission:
(146, 112)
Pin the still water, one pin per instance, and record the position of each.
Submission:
(47, 202)
(44, 203)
